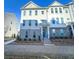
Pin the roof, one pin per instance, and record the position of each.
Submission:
(70, 3)
(33, 5)
(56, 3)
(30, 5)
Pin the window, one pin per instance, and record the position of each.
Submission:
(66, 11)
(24, 12)
(29, 22)
(62, 31)
(34, 35)
(60, 9)
(23, 22)
(67, 18)
(56, 10)
(11, 22)
(36, 23)
(62, 20)
(10, 29)
(30, 12)
(36, 12)
(42, 12)
(26, 34)
(51, 10)
(57, 20)
(53, 21)
(53, 30)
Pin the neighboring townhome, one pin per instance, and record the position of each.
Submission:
(10, 22)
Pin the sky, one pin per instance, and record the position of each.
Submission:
(15, 5)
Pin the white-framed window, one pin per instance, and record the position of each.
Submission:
(60, 10)
(52, 10)
(42, 12)
(68, 19)
(66, 11)
(56, 10)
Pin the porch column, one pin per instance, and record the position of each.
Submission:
(48, 33)
(41, 33)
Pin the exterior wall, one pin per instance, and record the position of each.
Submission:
(47, 13)
(38, 17)
(10, 25)
(31, 30)
(30, 34)
(71, 9)
(58, 33)
(59, 15)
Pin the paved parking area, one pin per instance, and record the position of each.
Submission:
(38, 49)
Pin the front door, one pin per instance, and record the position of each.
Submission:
(45, 33)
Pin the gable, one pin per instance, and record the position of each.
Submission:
(56, 3)
(30, 5)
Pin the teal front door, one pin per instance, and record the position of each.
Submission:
(45, 33)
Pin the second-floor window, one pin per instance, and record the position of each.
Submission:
(51, 10)
(42, 12)
(60, 10)
(56, 11)
(66, 11)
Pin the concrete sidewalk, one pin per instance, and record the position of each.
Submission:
(10, 41)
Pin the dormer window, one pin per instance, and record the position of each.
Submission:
(30, 12)
(36, 12)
